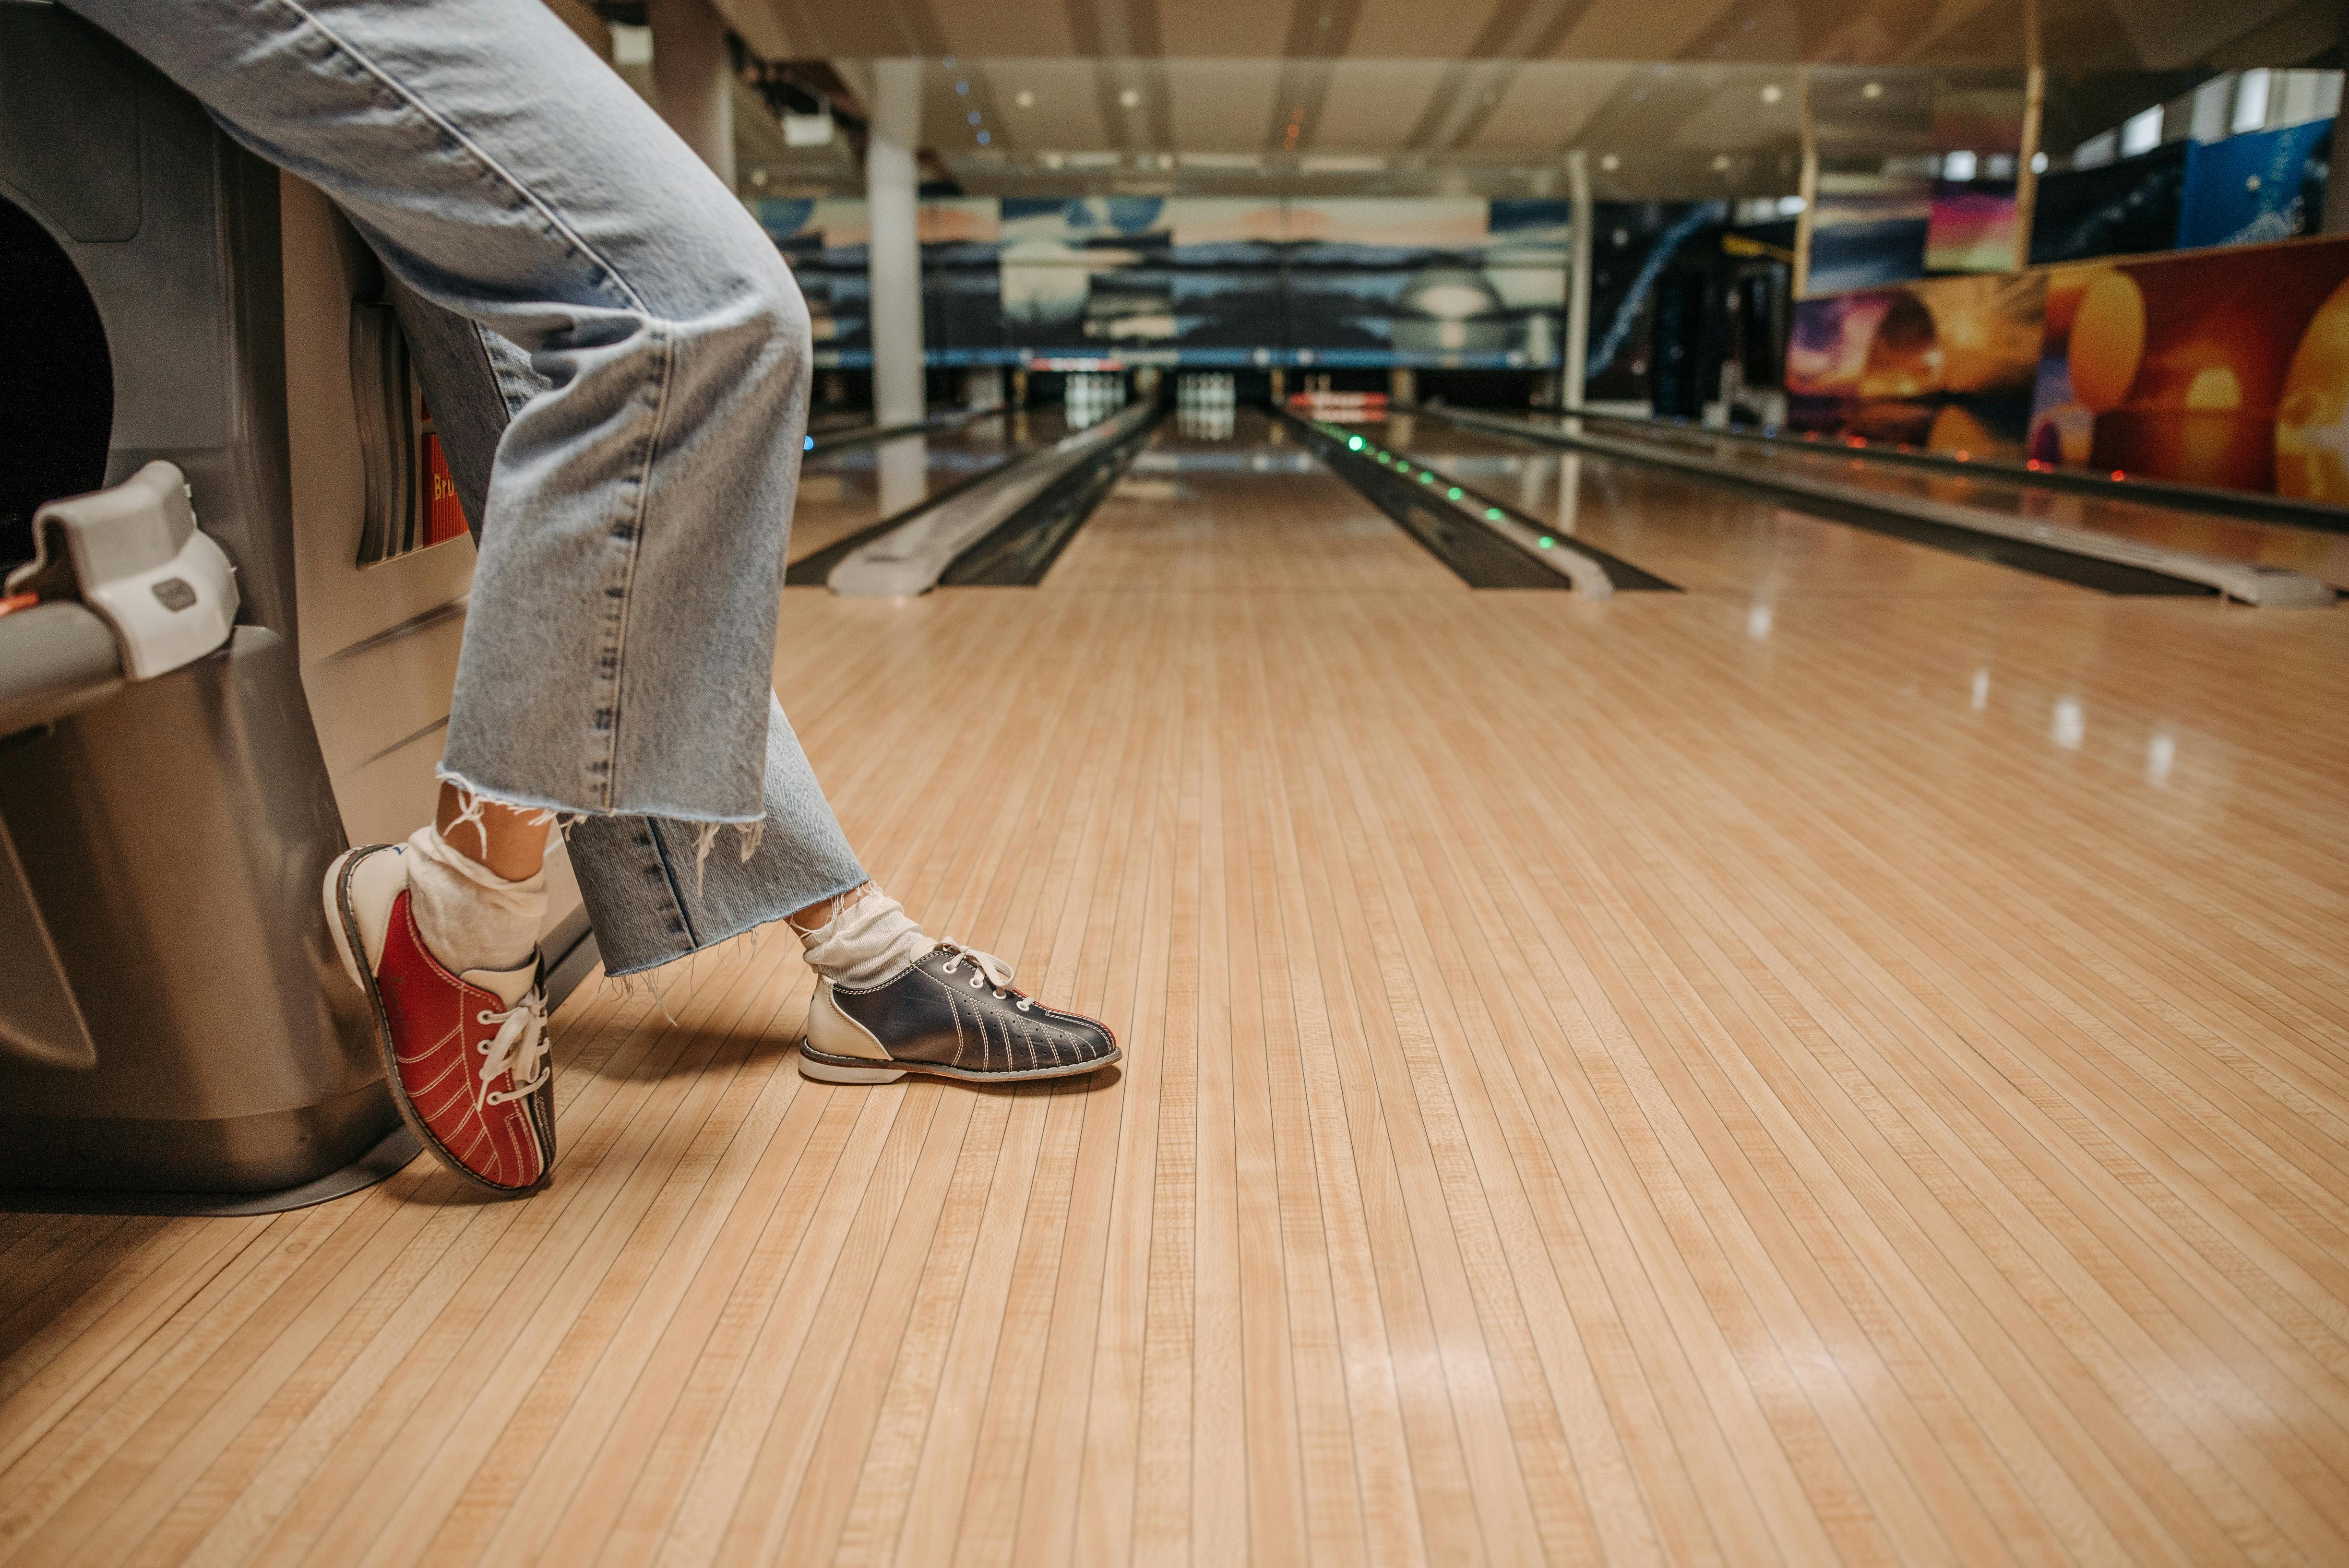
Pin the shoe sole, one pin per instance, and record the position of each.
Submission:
(343, 922)
(815, 1064)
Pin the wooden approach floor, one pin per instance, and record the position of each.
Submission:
(1626, 1083)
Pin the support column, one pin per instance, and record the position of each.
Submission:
(2034, 103)
(693, 79)
(1577, 280)
(894, 249)
(1807, 220)
(2336, 185)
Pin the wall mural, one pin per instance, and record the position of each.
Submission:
(1945, 363)
(1470, 283)
(2227, 368)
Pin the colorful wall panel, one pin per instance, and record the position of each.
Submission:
(2257, 188)
(1944, 363)
(2227, 368)
(1467, 282)
(2220, 368)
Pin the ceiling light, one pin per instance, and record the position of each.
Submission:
(1772, 92)
(1051, 159)
(1130, 98)
(1026, 98)
(962, 88)
(1610, 163)
(984, 138)
(972, 117)
(1872, 90)
(1720, 163)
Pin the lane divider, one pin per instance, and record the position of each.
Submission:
(823, 441)
(1531, 532)
(1487, 545)
(911, 557)
(2268, 586)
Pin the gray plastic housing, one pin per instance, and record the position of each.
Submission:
(170, 835)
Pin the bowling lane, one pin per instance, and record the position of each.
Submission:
(1705, 538)
(842, 492)
(1231, 501)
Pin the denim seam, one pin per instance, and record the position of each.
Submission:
(611, 683)
(359, 58)
(676, 892)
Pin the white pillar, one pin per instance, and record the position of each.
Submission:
(891, 190)
(694, 80)
(1577, 280)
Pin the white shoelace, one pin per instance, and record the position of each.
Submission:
(992, 971)
(520, 1047)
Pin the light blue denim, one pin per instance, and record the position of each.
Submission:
(618, 363)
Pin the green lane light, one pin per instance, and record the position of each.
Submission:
(1425, 477)
(1451, 494)
(1492, 514)
(1354, 443)
(1547, 542)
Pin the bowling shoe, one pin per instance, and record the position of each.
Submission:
(466, 1054)
(951, 1014)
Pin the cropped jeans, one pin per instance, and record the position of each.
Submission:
(618, 362)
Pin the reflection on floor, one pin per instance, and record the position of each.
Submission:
(1631, 1082)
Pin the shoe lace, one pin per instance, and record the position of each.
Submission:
(518, 1046)
(992, 971)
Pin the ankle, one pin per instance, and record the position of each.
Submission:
(868, 940)
(470, 917)
(824, 912)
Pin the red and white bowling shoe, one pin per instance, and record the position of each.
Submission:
(466, 1054)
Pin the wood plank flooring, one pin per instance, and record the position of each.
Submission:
(1619, 1083)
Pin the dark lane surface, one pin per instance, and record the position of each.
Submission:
(1702, 537)
(2319, 554)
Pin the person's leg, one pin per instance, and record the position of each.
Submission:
(888, 998)
(654, 893)
(617, 656)
(618, 647)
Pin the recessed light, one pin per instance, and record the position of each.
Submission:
(1130, 98)
(1772, 92)
(1026, 98)
(1872, 90)
(1721, 162)
(1610, 163)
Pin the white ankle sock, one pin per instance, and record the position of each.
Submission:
(471, 917)
(870, 940)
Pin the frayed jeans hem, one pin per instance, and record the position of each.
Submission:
(741, 928)
(565, 813)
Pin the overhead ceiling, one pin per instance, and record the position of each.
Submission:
(1666, 97)
(2147, 35)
